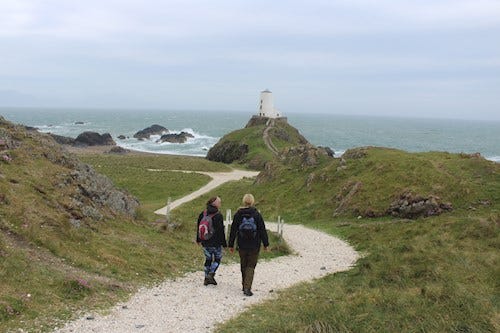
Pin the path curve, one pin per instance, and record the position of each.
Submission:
(175, 305)
(218, 178)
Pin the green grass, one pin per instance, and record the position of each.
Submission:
(430, 275)
(147, 178)
(436, 274)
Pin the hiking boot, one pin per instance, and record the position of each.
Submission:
(247, 292)
(206, 282)
(211, 279)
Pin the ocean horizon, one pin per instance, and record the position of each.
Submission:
(339, 132)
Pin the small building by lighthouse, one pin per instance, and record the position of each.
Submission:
(266, 105)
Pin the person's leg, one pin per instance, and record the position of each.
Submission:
(252, 258)
(243, 265)
(217, 255)
(208, 263)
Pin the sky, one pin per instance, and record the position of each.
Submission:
(427, 58)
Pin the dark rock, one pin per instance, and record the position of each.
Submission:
(175, 137)
(409, 205)
(63, 140)
(122, 137)
(151, 130)
(227, 151)
(94, 139)
(30, 128)
(328, 151)
(118, 150)
(79, 123)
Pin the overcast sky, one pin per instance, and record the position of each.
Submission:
(431, 58)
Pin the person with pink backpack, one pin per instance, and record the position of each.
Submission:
(210, 234)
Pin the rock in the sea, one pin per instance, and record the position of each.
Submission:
(409, 205)
(151, 130)
(227, 151)
(122, 137)
(94, 139)
(175, 137)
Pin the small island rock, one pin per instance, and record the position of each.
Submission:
(151, 130)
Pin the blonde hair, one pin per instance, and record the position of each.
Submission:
(248, 200)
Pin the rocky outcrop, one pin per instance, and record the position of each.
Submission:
(75, 189)
(411, 206)
(175, 137)
(355, 153)
(96, 192)
(227, 152)
(258, 120)
(94, 139)
(151, 130)
(306, 155)
(329, 151)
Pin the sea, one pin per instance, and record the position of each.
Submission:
(339, 132)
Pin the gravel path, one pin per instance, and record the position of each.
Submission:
(218, 178)
(174, 305)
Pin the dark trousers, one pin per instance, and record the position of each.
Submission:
(248, 261)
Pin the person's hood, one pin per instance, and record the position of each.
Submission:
(211, 209)
(248, 210)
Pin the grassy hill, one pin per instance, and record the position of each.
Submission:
(246, 147)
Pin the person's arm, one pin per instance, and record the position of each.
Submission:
(198, 240)
(222, 234)
(263, 231)
(232, 234)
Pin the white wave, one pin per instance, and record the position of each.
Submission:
(338, 153)
(493, 158)
(193, 133)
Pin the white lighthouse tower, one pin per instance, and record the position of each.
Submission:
(266, 106)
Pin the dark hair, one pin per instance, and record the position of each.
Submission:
(211, 200)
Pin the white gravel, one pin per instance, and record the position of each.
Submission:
(176, 305)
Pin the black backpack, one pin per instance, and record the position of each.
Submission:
(248, 227)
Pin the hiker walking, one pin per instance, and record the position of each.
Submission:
(249, 228)
(210, 234)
